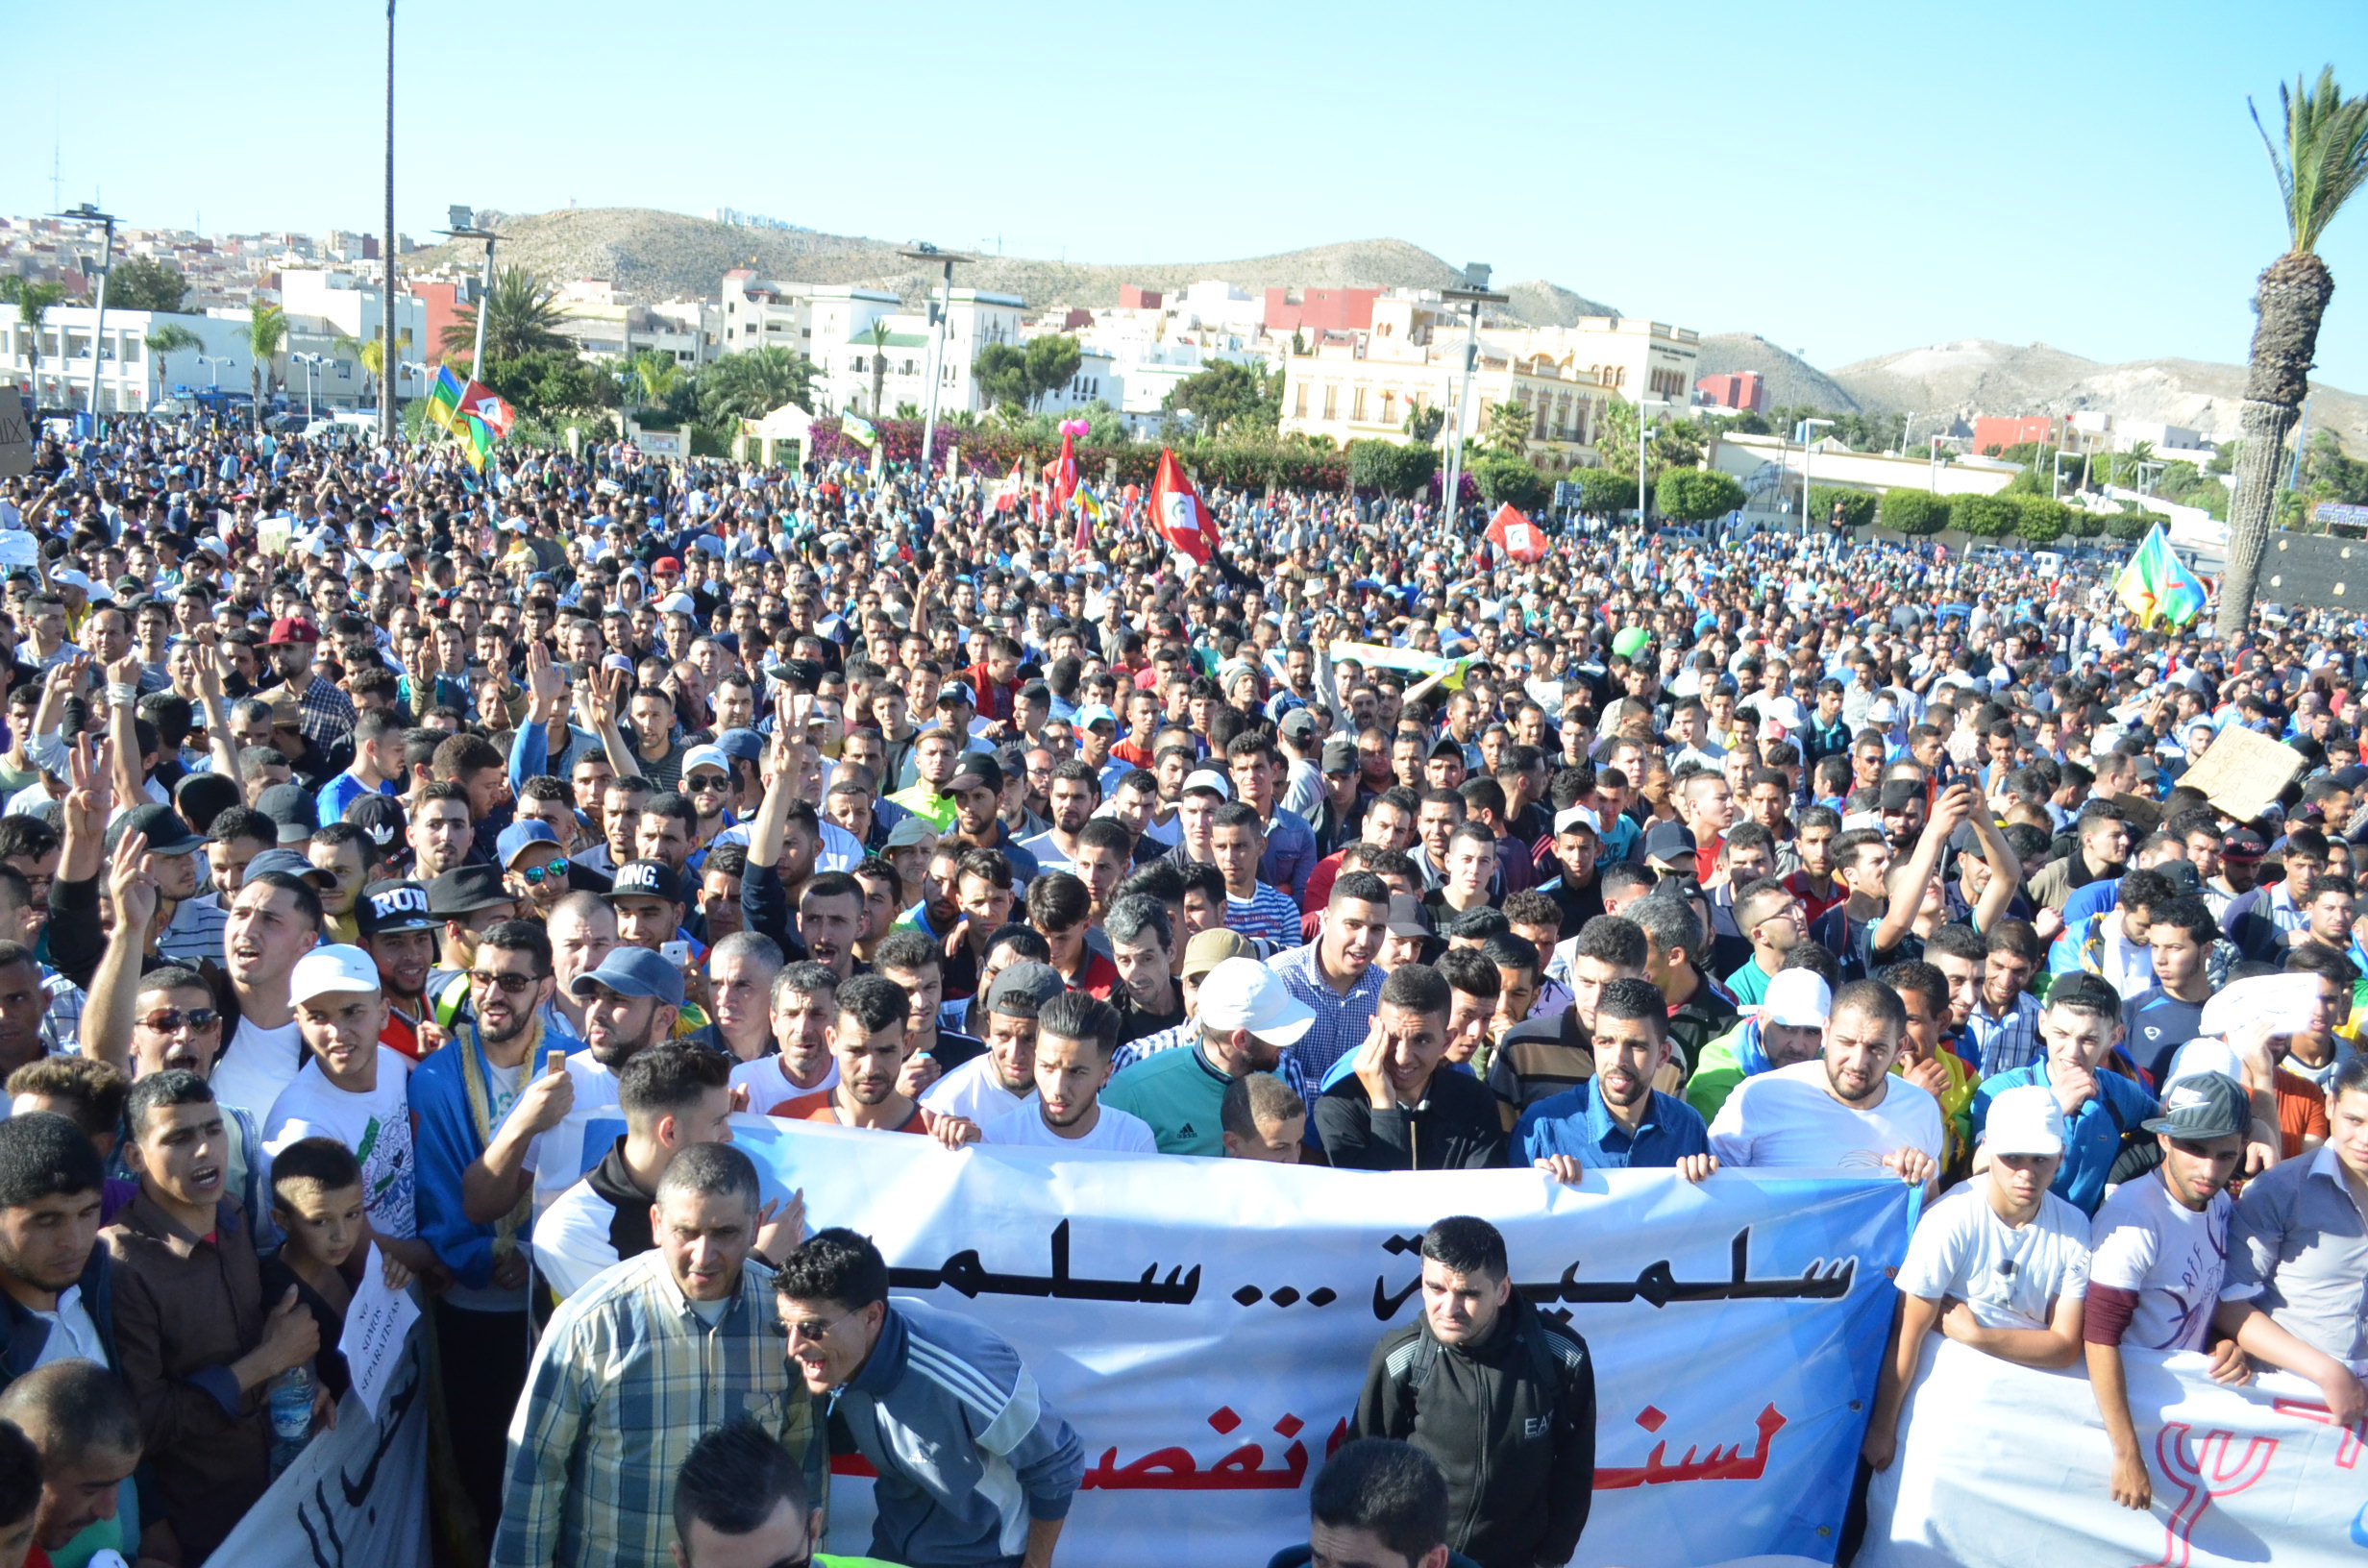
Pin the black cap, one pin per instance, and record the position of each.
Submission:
(465, 890)
(1899, 794)
(166, 833)
(1340, 756)
(2084, 993)
(2203, 1105)
(1669, 841)
(293, 808)
(1448, 745)
(977, 772)
(393, 906)
(647, 880)
(380, 816)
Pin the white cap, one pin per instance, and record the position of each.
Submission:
(1570, 817)
(2024, 1120)
(1796, 1000)
(2206, 1054)
(705, 756)
(1243, 994)
(1207, 778)
(337, 967)
(677, 604)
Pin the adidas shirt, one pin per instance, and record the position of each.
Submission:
(1180, 1094)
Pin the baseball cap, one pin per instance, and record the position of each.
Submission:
(1243, 994)
(2084, 991)
(292, 808)
(465, 890)
(2203, 1055)
(290, 863)
(677, 604)
(1299, 722)
(380, 816)
(740, 745)
(2182, 875)
(328, 970)
(666, 563)
(1021, 991)
(2243, 843)
(2024, 1120)
(167, 834)
(291, 628)
(1207, 778)
(2204, 1105)
(1408, 916)
(1448, 745)
(645, 879)
(1570, 817)
(1669, 841)
(632, 971)
(706, 756)
(1796, 1000)
(978, 771)
(955, 690)
(518, 836)
(1097, 713)
(1340, 756)
(1209, 948)
(1899, 794)
(393, 906)
(910, 834)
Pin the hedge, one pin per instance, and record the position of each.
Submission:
(1914, 512)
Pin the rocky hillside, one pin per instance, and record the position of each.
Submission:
(1788, 381)
(656, 255)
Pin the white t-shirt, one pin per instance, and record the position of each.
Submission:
(594, 1087)
(571, 1240)
(2173, 1257)
(257, 1067)
(1786, 1117)
(377, 1126)
(1115, 1128)
(973, 1090)
(768, 1086)
(2010, 1277)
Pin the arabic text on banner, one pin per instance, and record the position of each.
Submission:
(2005, 1466)
(1204, 1325)
(355, 1497)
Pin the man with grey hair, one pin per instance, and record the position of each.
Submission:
(740, 972)
(641, 1361)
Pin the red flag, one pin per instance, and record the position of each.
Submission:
(1061, 474)
(1517, 535)
(1178, 512)
(1006, 492)
(483, 402)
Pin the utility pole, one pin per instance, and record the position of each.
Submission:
(941, 323)
(1809, 437)
(1472, 296)
(463, 227)
(88, 213)
(389, 372)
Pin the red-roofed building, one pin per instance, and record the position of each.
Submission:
(1994, 433)
(1321, 309)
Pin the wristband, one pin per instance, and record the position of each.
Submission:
(121, 694)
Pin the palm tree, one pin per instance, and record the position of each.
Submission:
(752, 384)
(879, 360)
(170, 338)
(266, 335)
(2323, 163)
(32, 303)
(658, 374)
(2139, 454)
(523, 318)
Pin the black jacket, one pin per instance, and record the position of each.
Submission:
(1511, 1421)
(1455, 1128)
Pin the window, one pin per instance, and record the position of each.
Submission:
(1298, 402)
(1356, 405)
(1389, 407)
(1331, 401)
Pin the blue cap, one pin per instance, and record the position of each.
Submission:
(632, 971)
(518, 834)
(741, 745)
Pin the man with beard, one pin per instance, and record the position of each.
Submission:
(1542, 1057)
(1400, 1107)
(870, 1041)
(802, 1007)
(1072, 796)
(399, 936)
(53, 1274)
(188, 923)
(1844, 1108)
(1334, 975)
(1075, 1034)
(1616, 1118)
(1244, 1017)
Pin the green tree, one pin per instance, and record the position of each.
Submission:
(1696, 495)
(1603, 491)
(1858, 506)
(1395, 470)
(370, 357)
(1423, 423)
(522, 316)
(1615, 440)
(655, 376)
(137, 282)
(1677, 443)
(551, 381)
(1984, 517)
(879, 335)
(1916, 513)
(32, 307)
(2131, 527)
(1226, 396)
(2323, 163)
(1505, 428)
(169, 338)
(1052, 360)
(1001, 372)
(752, 384)
(2041, 520)
(1508, 480)
(266, 336)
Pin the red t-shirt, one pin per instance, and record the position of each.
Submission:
(823, 1106)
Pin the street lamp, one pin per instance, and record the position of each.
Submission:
(1472, 296)
(941, 321)
(464, 227)
(1809, 437)
(213, 363)
(311, 363)
(88, 213)
(1645, 440)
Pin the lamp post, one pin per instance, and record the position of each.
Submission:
(1907, 428)
(463, 227)
(213, 363)
(1645, 440)
(88, 213)
(311, 363)
(1472, 296)
(1809, 437)
(941, 322)
(386, 254)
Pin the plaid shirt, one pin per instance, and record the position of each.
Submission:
(626, 1379)
(1340, 1021)
(327, 714)
(2009, 1043)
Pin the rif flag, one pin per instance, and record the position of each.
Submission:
(859, 430)
(484, 403)
(1177, 511)
(1005, 492)
(2156, 587)
(1517, 535)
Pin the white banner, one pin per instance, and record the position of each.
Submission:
(1204, 1325)
(356, 1497)
(2002, 1466)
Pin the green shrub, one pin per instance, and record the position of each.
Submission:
(1984, 517)
(1858, 506)
(1696, 495)
(1914, 512)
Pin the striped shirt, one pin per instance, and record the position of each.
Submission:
(196, 931)
(626, 1379)
(1268, 914)
(1340, 1021)
(2009, 1043)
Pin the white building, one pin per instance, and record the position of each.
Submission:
(852, 328)
(130, 374)
(1650, 363)
(334, 314)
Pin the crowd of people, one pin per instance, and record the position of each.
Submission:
(366, 817)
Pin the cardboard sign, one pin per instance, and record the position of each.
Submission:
(2241, 773)
(15, 437)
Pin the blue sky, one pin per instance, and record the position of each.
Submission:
(1845, 180)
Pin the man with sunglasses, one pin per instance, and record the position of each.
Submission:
(533, 864)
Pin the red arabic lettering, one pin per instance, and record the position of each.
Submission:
(1719, 1464)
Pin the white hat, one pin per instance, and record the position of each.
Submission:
(1243, 994)
(337, 967)
(2024, 1120)
(677, 604)
(2206, 1054)
(1796, 1000)
(1570, 817)
(1207, 778)
(705, 756)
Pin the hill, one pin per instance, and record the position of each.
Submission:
(1978, 376)
(652, 255)
(1786, 380)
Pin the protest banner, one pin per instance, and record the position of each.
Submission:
(1204, 1325)
(352, 1497)
(2004, 1466)
(2241, 773)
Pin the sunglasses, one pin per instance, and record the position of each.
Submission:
(536, 875)
(509, 985)
(169, 1019)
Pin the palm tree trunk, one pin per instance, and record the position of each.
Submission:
(2291, 301)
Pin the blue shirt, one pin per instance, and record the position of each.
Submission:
(2091, 1136)
(1576, 1122)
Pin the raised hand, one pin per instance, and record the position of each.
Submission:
(130, 887)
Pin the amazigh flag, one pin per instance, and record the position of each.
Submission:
(2154, 587)
(1517, 535)
(477, 442)
(444, 400)
(1178, 513)
(483, 402)
(859, 430)
(1091, 512)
